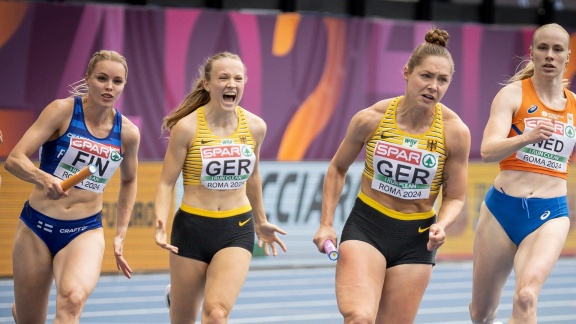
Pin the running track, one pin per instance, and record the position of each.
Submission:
(301, 291)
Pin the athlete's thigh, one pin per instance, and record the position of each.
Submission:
(360, 273)
(493, 259)
(226, 275)
(539, 251)
(32, 274)
(187, 281)
(405, 282)
(77, 266)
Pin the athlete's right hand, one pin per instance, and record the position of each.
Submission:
(161, 237)
(542, 132)
(324, 233)
(53, 187)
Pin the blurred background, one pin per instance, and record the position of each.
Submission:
(312, 64)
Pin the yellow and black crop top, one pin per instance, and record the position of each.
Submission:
(220, 163)
(404, 165)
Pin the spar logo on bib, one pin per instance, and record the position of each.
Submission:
(429, 161)
(94, 148)
(560, 128)
(398, 153)
(246, 151)
(569, 131)
(115, 156)
(219, 152)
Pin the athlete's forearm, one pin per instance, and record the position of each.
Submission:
(126, 200)
(25, 170)
(449, 211)
(333, 186)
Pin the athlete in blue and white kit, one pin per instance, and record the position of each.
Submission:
(60, 236)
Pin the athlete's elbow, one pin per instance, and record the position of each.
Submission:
(488, 155)
(10, 164)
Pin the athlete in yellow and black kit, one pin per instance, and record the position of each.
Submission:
(405, 166)
(219, 164)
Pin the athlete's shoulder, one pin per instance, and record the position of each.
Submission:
(454, 126)
(60, 104)
(511, 89)
(374, 111)
(251, 117)
(59, 110)
(130, 131)
(256, 124)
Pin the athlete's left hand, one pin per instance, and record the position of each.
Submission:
(266, 233)
(436, 237)
(121, 264)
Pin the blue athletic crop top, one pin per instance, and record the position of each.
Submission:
(93, 150)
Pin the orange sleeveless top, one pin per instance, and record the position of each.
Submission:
(550, 157)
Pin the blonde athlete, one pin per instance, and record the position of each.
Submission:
(215, 144)
(524, 220)
(415, 146)
(59, 236)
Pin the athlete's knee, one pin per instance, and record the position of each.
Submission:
(215, 313)
(481, 316)
(70, 304)
(526, 298)
(358, 317)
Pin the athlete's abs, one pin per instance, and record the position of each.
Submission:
(79, 204)
(530, 185)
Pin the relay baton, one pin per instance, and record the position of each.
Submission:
(330, 250)
(78, 177)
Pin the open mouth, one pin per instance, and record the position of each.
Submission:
(229, 97)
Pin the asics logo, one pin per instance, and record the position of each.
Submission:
(532, 109)
(244, 222)
(422, 230)
(545, 215)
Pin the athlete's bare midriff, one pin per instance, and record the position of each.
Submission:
(215, 200)
(79, 204)
(529, 184)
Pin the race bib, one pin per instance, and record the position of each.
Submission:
(403, 172)
(226, 167)
(83, 152)
(553, 153)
